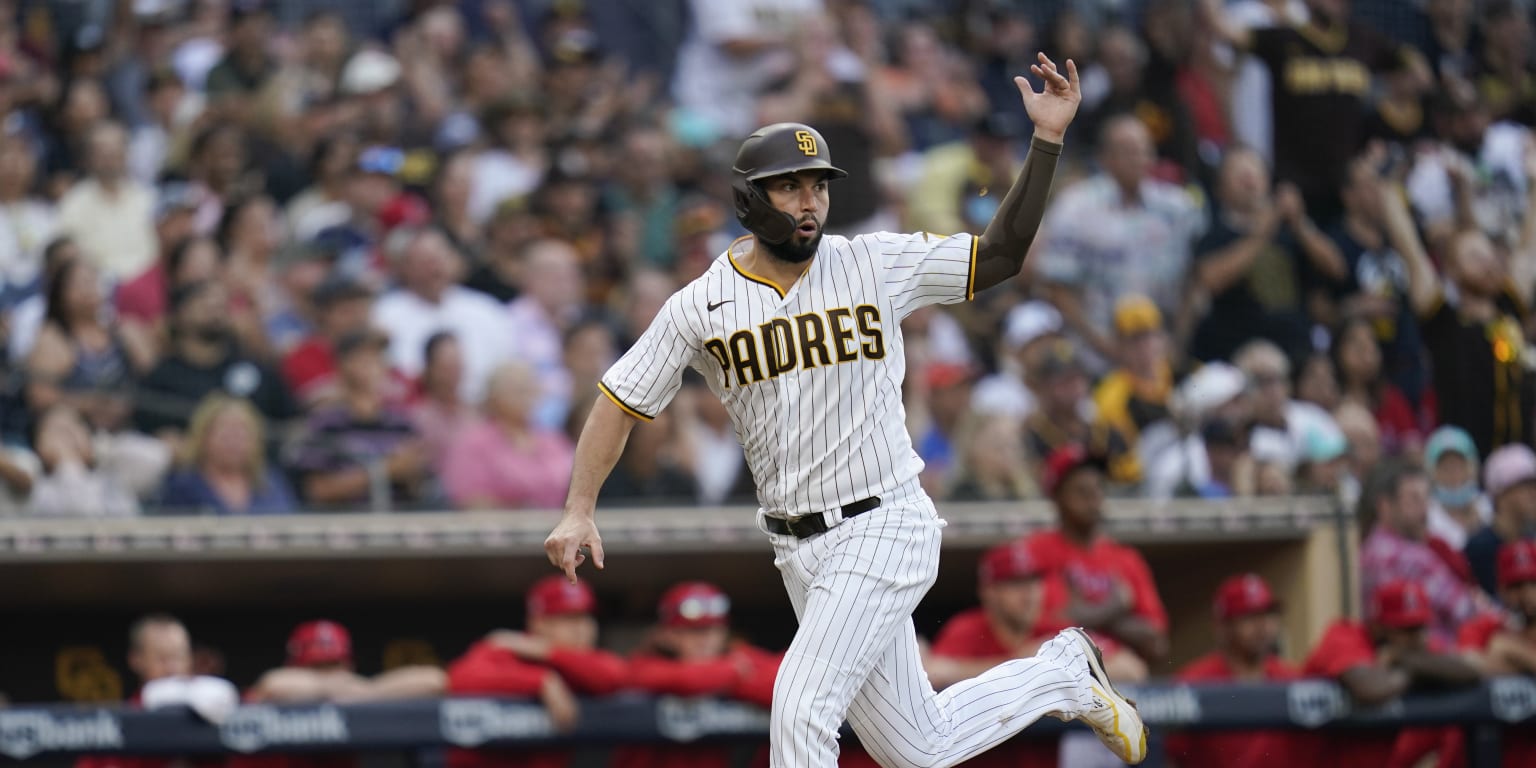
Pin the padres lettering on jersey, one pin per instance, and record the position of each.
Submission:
(811, 376)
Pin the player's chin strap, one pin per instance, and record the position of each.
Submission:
(758, 216)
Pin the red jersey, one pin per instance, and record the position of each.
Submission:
(744, 674)
(1216, 749)
(1519, 747)
(309, 366)
(1094, 572)
(969, 636)
(1346, 645)
(490, 670)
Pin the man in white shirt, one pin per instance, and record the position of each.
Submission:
(427, 300)
(108, 214)
(734, 49)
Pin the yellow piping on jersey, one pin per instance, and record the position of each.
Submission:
(970, 279)
(748, 275)
(601, 387)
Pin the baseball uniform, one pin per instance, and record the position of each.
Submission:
(811, 374)
(968, 635)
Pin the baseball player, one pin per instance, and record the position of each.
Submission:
(1506, 644)
(799, 335)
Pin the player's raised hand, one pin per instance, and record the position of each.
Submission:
(566, 541)
(1052, 108)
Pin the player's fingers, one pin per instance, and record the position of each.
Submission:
(1025, 89)
(1072, 75)
(596, 546)
(570, 557)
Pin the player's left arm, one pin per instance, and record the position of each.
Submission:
(1001, 250)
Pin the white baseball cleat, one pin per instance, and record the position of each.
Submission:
(1117, 723)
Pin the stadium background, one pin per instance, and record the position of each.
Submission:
(575, 154)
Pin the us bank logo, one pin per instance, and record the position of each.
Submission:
(24, 734)
(253, 728)
(1513, 699)
(1313, 703)
(472, 722)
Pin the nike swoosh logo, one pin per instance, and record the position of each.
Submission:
(714, 305)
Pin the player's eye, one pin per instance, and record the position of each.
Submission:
(821, 186)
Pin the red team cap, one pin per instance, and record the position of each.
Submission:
(1064, 461)
(1008, 562)
(1244, 595)
(317, 643)
(1517, 563)
(694, 604)
(555, 596)
(1400, 605)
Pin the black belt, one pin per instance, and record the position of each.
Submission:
(806, 526)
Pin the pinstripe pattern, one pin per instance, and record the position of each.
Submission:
(854, 589)
(823, 432)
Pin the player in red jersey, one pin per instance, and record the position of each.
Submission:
(554, 660)
(1378, 661)
(1247, 630)
(690, 653)
(1506, 644)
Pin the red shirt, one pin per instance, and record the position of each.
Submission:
(143, 298)
(1519, 746)
(490, 670)
(309, 365)
(969, 636)
(1094, 572)
(1346, 645)
(1217, 749)
(744, 674)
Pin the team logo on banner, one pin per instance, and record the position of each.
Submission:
(24, 734)
(472, 722)
(1313, 703)
(252, 728)
(1513, 698)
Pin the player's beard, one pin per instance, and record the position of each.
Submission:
(798, 248)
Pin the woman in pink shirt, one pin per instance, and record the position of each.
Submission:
(506, 460)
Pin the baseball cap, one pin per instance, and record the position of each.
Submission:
(694, 604)
(174, 197)
(1517, 563)
(319, 642)
(382, 160)
(554, 596)
(1449, 439)
(941, 375)
(367, 338)
(1030, 321)
(1060, 358)
(1068, 459)
(1135, 313)
(1208, 388)
(1244, 595)
(337, 287)
(1508, 467)
(1400, 605)
(1011, 561)
(369, 71)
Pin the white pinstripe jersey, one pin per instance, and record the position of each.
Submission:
(811, 376)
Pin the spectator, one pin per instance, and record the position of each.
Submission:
(235, 84)
(945, 402)
(1506, 645)
(427, 301)
(949, 195)
(1450, 37)
(27, 225)
(451, 185)
(1504, 79)
(644, 192)
(556, 657)
(499, 273)
(1257, 262)
(342, 306)
(1317, 381)
(508, 460)
(72, 479)
(690, 652)
(733, 50)
(1323, 464)
(654, 468)
(1510, 479)
(1065, 416)
(143, 298)
(1280, 424)
(1375, 284)
(1122, 65)
(363, 449)
(1247, 633)
(1398, 548)
(1091, 580)
(1342, 53)
(1231, 470)
(1028, 330)
(1377, 661)
(204, 358)
(1458, 509)
(109, 214)
(1135, 394)
(1474, 335)
(1118, 232)
(590, 348)
(25, 321)
(1357, 358)
(439, 414)
(1399, 115)
(932, 85)
(1011, 588)
(223, 465)
(1174, 451)
(323, 204)
(537, 320)
(1474, 177)
(169, 113)
(79, 357)
(515, 160)
(319, 668)
(993, 462)
(18, 472)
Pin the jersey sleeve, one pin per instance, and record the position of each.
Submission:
(1477, 633)
(923, 268)
(1343, 647)
(646, 378)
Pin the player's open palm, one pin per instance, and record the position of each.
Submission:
(1053, 107)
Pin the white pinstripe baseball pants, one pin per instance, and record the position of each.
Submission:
(855, 653)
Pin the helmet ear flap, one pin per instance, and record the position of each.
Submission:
(758, 216)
